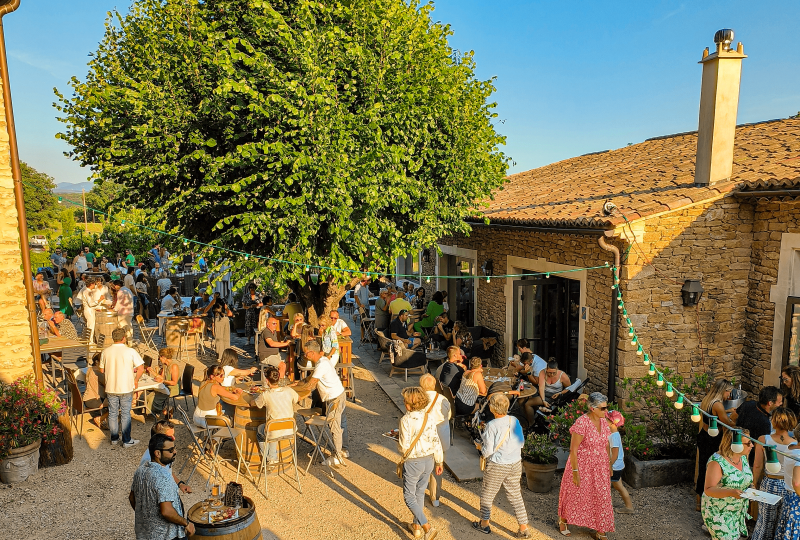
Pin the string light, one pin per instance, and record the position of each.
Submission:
(695, 414)
(185, 242)
(639, 351)
(773, 465)
(652, 370)
(122, 224)
(736, 446)
(660, 381)
(670, 392)
(634, 340)
(488, 279)
(427, 279)
(713, 430)
(631, 333)
(246, 257)
(679, 402)
(646, 360)
(60, 200)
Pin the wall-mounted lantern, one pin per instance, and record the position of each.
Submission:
(488, 268)
(691, 292)
(426, 255)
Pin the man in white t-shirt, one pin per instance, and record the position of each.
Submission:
(327, 382)
(122, 367)
(279, 402)
(339, 325)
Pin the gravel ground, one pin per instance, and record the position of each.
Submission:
(88, 498)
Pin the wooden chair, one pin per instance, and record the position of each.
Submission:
(287, 450)
(76, 404)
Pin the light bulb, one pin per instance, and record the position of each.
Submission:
(246, 257)
(306, 268)
(185, 242)
(652, 370)
(631, 332)
(736, 446)
(679, 403)
(122, 224)
(546, 276)
(619, 296)
(639, 351)
(660, 381)
(614, 286)
(646, 359)
(621, 305)
(634, 340)
(59, 200)
(713, 430)
(773, 465)
(670, 392)
(695, 414)
(488, 279)
(427, 279)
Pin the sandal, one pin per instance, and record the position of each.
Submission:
(477, 526)
(562, 527)
(600, 536)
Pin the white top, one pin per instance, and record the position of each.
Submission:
(780, 447)
(362, 293)
(339, 326)
(616, 442)
(168, 303)
(280, 404)
(118, 363)
(81, 265)
(229, 379)
(428, 443)
(441, 411)
(538, 365)
(788, 469)
(330, 386)
(124, 305)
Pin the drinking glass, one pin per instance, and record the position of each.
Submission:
(215, 494)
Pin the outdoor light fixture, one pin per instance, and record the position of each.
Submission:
(713, 430)
(488, 268)
(691, 292)
(736, 446)
(426, 255)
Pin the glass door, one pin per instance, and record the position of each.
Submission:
(464, 292)
(791, 333)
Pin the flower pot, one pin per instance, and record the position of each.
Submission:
(20, 463)
(657, 472)
(539, 477)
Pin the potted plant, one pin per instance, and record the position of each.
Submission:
(539, 461)
(27, 416)
(559, 424)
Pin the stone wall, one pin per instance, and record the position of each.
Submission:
(15, 334)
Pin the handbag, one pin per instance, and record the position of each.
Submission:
(484, 460)
(410, 448)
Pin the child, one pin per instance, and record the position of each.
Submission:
(616, 421)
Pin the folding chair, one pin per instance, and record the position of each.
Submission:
(224, 433)
(350, 302)
(147, 332)
(76, 404)
(187, 387)
(323, 437)
(197, 445)
(287, 450)
(307, 414)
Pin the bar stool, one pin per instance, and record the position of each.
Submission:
(183, 339)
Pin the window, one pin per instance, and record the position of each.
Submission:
(791, 335)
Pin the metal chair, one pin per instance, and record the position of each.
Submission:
(147, 332)
(323, 437)
(287, 450)
(197, 445)
(76, 403)
(183, 341)
(187, 387)
(224, 433)
(350, 301)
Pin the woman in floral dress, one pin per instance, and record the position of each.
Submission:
(727, 476)
(585, 496)
(251, 303)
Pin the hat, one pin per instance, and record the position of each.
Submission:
(383, 290)
(402, 311)
(616, 417)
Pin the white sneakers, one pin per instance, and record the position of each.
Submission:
(133, 442)
(332, 462)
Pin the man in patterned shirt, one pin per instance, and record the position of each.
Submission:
(65, 326)
(156, 498)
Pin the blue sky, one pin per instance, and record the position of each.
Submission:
(572, 77)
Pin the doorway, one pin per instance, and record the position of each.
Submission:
(461, 288)
(546, 312)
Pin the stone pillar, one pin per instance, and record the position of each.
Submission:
(16, 359)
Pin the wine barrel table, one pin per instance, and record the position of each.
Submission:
(105, 323)
(247, 416)
(244, 527)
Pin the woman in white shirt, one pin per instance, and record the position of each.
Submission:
(439, 415)
(230, 362)
(782, 420)
(419, 444)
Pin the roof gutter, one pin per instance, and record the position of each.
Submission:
(19, 198)
(548, 230)
(767, 193)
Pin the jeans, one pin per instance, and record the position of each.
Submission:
(120, 403)
(416, 473)
(270, 448)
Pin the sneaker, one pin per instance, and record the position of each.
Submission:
(345, 453)
(435, 503)
(332, 462)
(477, 526)
(132, 442)
(431, 534)
(525, 534)
(115, 443)
(416, 530)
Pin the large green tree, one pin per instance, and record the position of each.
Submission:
(335, 134)
(41, 206)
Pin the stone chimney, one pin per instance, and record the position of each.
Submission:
(719, 102)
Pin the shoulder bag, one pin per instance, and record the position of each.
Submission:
(484, 460)
(411, 447)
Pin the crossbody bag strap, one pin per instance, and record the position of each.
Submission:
(503, 440)
(419, 434)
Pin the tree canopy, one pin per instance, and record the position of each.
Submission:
(328, 133)
(41, 206)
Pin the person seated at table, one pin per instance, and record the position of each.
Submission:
(156, 270)
(432, 312)
(382, 310)
(46, 316)
(171, 300)
(418, 299)
(339, 325)
(270, 348)
(168, 372)
(42, 291)
(452, 371)
(211, 390)
(65, 327)
(472, 385)
(104, 265)
(279, 402)
(164, 284)
(165, 427)
(398, 331)
(443, 331)
(265, 313)
(552, 382)
(94, 395)
(531, 366)
(296, 331)
(398, 304)
(230, 365)
(462, 338)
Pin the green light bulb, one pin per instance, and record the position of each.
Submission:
(660, 381)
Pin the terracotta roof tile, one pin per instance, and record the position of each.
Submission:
(643, 179)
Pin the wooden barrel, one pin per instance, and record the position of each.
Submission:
(248, 419)
(105, 323)
(245, 527)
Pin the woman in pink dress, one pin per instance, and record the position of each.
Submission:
(585, 497)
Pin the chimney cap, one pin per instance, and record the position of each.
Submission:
(725, 37)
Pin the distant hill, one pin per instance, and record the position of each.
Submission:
(68, 187)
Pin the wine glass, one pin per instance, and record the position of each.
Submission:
(215, 494)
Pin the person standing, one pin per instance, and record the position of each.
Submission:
(789, 518)
(616, 421)
(502, 443)
(89, 305)
(727, 476)
(706, 444)
(90, 257)
(64, 292)
(154, 496)
(251, 303)
(361, 296)
(585, 496)
(419, 444)
(222, 326)
(382, 310)
(122, 367)
(440, 416)
(755, 415)
(790, 382)
(123, 306)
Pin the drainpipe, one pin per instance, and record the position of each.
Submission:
(27, 277)
(613, 329)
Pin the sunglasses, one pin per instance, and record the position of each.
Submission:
(171, 450)
(602, 408)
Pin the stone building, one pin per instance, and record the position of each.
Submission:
(717, 205)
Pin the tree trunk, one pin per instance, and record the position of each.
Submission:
(321, 298)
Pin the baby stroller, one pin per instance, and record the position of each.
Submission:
(482, 415)
(541, 423)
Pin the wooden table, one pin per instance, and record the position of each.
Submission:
(248, 416)
(345, 365)
(56, 346)
(174, 327)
